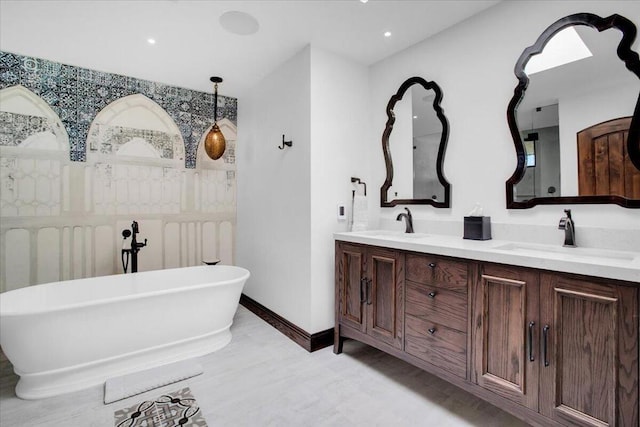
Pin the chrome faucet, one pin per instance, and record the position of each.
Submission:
(408, 218)
(566, 224)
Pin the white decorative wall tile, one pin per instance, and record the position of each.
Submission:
(19, 275)
(105, 250)
(48, 255)
(183, 245)
(66, 192)
(30, 187)
(171, 246)
(26, 210)
(191, 242)
(226, 243)
(88, 253)
(26, 165)
(66, 253)
(27, 189)
(43, 189)
(77, 252)
(209, 241)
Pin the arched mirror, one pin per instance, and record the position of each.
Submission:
(575, 115)
(415, 139)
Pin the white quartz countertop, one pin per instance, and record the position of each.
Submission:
(620, 265)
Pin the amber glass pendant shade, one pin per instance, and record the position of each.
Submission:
(214, 143)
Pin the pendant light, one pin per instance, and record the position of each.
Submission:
(214, 142)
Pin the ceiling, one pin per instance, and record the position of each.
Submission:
(191, 45)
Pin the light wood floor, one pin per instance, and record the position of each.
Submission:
(263, 379)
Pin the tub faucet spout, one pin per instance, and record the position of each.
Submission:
(408, 218)
(567, 224)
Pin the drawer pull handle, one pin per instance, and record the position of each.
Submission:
(545, 334)
(432, 330)
(432, 265)
(431, 294)
(531, 325)
(363, 290)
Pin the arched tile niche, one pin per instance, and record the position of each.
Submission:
(34, 174)
(135, 154)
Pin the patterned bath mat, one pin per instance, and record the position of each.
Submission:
(177, 409)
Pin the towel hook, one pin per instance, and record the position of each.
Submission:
(287, 143)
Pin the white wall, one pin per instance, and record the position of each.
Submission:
(274, 197)
(287, 199)
(473, 64)
(339, 117)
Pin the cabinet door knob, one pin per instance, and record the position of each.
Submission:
(432, 294)
(432, 265)
(432, 330)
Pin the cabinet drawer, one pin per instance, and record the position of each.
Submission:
(443, 347)
(433, 270)
(436, 304)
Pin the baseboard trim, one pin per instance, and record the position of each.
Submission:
(310, 342)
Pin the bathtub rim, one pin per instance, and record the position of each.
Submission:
(242, 278)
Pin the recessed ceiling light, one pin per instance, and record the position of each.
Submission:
(239, 23)
(387, 34)
(363, 1)
(151, 41)
(415, 117)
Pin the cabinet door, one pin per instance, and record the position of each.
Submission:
(590, 375)
(505, 305)
(384, 296)
(350, 277)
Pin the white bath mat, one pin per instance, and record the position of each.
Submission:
(172, 409)
(119, 388)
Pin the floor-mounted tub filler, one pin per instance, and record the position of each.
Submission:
(70, 335)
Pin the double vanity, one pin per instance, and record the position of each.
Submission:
(547, 333)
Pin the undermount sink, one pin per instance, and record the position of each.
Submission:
(393, 235)
(537, 249)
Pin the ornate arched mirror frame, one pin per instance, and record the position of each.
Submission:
(427, 85)
(632, 63)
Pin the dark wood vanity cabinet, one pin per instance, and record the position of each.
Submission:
(589, 371)
(563, 346)
(369, 292)
(554, 349)
(505, 338)
(436, 309)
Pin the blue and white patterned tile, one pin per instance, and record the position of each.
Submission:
(78, 94)
(9, 60)
(9, 77)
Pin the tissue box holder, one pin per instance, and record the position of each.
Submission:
(477, 227)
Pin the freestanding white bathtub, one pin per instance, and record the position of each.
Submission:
(66, 336)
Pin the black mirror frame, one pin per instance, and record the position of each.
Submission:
(631, 61)
(391, 118)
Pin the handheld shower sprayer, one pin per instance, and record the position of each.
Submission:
(132, 249)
